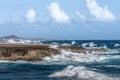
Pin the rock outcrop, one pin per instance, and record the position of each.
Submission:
(14, 52)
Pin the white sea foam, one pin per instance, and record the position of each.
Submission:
(81, 73)
(53, 46)
(55, 43)
(11, 41)
(80, 57)
(92, 45)
(19, 41)
(66, 44)
(73, 43)
(116, 45)
(4, 61)
(84, 45)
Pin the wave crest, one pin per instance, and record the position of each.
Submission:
(80, 73)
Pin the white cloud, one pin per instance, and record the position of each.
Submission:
(101, 14)
(82, 17)
(31, 16)
(57, 14)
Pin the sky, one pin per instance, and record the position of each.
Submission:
(61, 19)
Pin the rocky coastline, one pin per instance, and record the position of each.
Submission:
(30, 52)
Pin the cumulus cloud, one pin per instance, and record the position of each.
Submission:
(82, 17)
(101, 14)
(31, 16)
(57, 13)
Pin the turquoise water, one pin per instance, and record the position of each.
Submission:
(67, 65)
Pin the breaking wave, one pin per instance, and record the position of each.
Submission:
(81, 73)
(79, 57)
(68, 65)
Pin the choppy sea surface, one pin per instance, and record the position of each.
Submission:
(68, 65)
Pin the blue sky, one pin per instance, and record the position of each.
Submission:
(61, 19)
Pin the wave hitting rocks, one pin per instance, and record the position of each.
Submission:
(29, 52)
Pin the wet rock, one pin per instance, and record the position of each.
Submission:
(14, 52)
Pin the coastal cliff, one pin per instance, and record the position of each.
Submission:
(29, 52)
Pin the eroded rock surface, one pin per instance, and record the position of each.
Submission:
(14, 52)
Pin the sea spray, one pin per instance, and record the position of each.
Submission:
(81, 73)
(67, 65)
(80, 57)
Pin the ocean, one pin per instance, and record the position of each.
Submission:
(68, 65)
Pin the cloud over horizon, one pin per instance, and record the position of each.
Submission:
(101, 14)
(57, 13)
(63, 19)
(31, 16)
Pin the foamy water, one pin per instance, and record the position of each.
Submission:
(81, 73)
(68, 65)
(80, 57)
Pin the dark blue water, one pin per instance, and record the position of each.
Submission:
(109, 67)
(27, 71)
